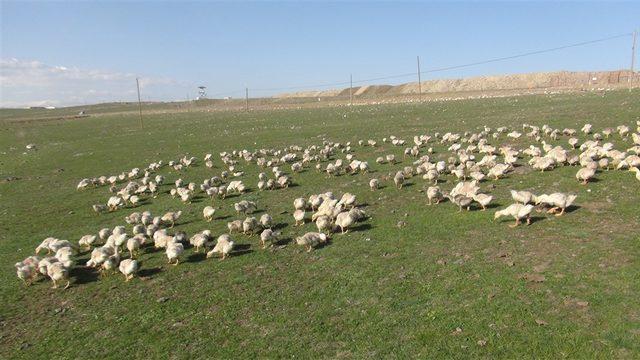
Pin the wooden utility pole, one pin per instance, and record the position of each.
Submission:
(139, 103)
(246, 99)
(419, 81)
(350, 89)
(633, 59)
(633, 51)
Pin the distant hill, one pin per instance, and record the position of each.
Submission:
(561, 80)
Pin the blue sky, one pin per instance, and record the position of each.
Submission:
(72, 53)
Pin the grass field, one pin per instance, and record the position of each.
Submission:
(377, 292)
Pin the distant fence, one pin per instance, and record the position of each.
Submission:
(596, 79)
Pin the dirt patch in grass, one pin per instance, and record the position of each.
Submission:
(597, 207)
(522, 170)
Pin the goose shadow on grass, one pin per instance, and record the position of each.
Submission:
(568, 210)
(535, 219)
(151, 249)
(360, 227)
(144, 202)
(223, 217)
(84, 275)
(182, 223)
(511, 221)
(280, 226)
(242, 249)
(197, 257)
(478, 207)
(494, 205)
(322, 245)
(572, 208)
(354, 173)
(149, 272)
(283, 241)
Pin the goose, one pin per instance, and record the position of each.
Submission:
(483, 200)
(431, 175)
(348, 200)
(398, 179)
(298, 215)
(323, 223)
(200, 240)
(477, 175)
(522, 197)
(171, 217)
(557, 200)
(208, 213)
(266, 221)
(250, 225)
(235, 225)
(87, 240)
(434, 193)
(585, 174)
(110, 263)
(498, 170)
(517, 211)
(344, 220)
(223, 246)
(459, 173)
(173, 251)
(27, 270)
(268, 235)
(299, 204)
(128, 268)
(311, 239)
(467, 189)
(133, 245)
(58, 272)
(374, 184)
(461, 201)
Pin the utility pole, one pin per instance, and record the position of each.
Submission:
(139, 103)
(246, 99)
(419, 81)
(350, 89)
(633, 50)
(633, 59)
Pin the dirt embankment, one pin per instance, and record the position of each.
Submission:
(551, 80)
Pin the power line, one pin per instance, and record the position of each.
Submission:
(528, 53)
(482, 62)
(434, 70)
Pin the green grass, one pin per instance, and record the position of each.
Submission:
(379, 292)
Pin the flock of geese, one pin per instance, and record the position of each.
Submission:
(468, 159)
